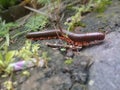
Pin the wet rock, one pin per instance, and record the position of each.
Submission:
(50, 78)
(78, 86)
(58, 75)
(99, 21)
(31, 83)
(58, 82)
(22, 79)
(69, 53)
(79, 77)
(104, 73)
(84, 61)
(79, 69)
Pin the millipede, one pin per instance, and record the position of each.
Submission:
(83, 39)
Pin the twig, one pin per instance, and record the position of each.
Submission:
(37, 11)
(63, 46)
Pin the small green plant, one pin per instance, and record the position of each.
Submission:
(28, 51)
(63, 49)
(26, 73)
(76, 19)
(36, 23)
(8, 85)
(43, 1)
(45, 58)
(69, 61)
(4, 30)
(101, 5)
(7, 3)
(6, 57)
(96, 5)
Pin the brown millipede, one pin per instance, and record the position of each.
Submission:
(83, 39)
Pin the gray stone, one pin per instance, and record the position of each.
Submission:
(77, 86)
(57, 82)
(104, 73)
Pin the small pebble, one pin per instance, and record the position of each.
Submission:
(91, 82)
